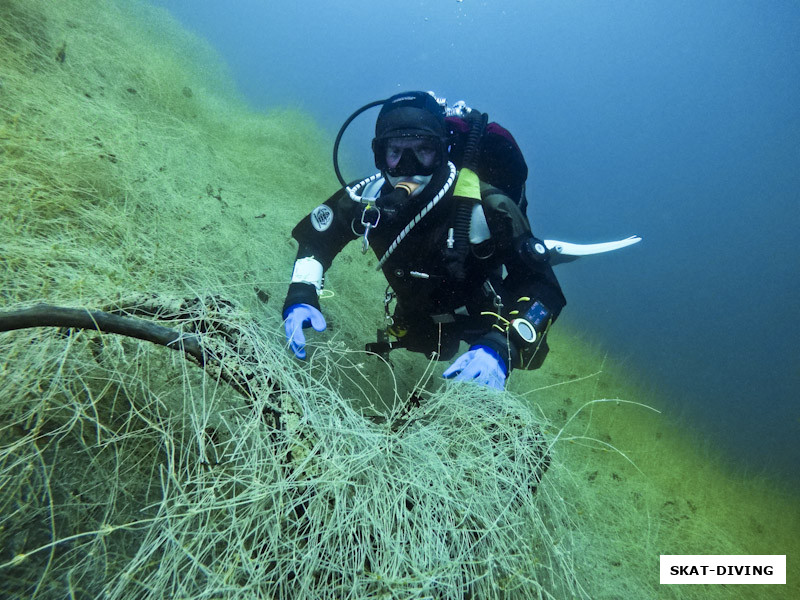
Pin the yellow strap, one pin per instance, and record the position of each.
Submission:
(468, 185)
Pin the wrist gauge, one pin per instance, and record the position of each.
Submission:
(523, 330)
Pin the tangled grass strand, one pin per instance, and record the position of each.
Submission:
(330, 505)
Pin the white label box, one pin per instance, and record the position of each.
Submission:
(723, 568)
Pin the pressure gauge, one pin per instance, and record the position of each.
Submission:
(524, 331)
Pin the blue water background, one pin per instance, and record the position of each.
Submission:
(678, 121)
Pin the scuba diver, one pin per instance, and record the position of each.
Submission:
(452, 241)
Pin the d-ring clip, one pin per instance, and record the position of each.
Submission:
(370, 217)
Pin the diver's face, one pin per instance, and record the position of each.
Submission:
(423, 149)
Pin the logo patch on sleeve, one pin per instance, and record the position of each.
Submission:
(322, 217)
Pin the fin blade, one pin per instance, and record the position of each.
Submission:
(562, 252)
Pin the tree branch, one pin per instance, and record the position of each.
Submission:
(47, 315)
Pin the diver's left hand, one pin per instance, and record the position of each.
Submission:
(481, 365)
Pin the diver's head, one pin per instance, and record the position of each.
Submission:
(410, 136)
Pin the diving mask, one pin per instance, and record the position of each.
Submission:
(406, 156)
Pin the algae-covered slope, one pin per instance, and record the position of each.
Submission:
(134, 181)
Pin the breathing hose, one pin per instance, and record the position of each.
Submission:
(467, 193)
(477, 126)
(341, 133)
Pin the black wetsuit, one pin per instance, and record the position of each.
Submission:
(435, 307)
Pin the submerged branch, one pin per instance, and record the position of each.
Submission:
(47, 315)
(239, 377)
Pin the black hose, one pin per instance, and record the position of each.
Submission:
(477, 127)
(463, 216)
(341, 133)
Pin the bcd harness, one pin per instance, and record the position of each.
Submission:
(527, 335)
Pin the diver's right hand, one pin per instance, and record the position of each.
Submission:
(299, 316)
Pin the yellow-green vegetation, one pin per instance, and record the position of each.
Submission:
(133, 179)
(645, 484)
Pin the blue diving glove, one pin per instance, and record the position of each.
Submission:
(481, 365)
(299, 316)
